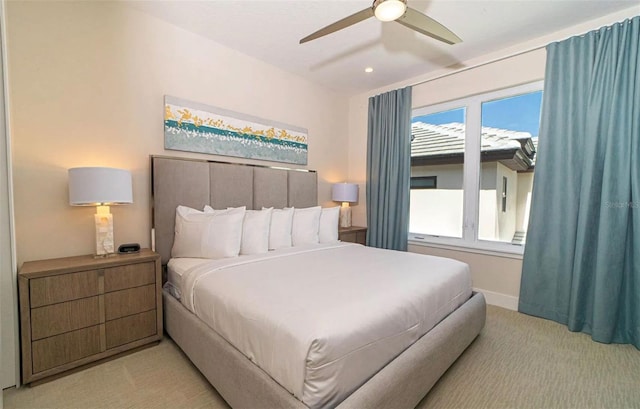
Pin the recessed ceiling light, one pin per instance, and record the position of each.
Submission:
(368, 69)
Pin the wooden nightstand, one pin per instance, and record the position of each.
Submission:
(77, 310)
(353, 234)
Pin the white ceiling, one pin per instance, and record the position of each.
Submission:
(269, 30)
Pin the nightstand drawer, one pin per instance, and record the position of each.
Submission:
(119, 304)
(64, 317)
(128, 276)
(131, 328)
(63, 287)
(61, 349)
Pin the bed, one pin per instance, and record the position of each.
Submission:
(395, 369)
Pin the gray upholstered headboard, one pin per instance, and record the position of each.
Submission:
(196, 183)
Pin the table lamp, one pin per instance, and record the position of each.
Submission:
(101, 187)
(345, 193)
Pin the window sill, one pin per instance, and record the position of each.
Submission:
(485, 248)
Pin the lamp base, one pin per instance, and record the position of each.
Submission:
(104, 232)
(345, 216)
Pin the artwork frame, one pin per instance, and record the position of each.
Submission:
(195, 127)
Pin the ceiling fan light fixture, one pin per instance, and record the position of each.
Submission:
(389, 10)
(392, 10)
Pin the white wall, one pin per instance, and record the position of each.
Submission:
(496, 275)
(86, 88)
(87, 85)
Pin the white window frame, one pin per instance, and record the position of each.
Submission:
(471, 174)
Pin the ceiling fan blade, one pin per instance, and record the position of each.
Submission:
(427, 26)
(340, 24)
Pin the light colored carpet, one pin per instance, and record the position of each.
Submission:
(517, 362)
(157, 377)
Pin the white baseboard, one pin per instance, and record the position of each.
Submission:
(498, 299)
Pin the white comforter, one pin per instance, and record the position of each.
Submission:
(323, 319)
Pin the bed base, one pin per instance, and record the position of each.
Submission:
(400, 384)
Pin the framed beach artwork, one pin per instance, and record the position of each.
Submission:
(194, 127)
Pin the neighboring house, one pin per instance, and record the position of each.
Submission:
(437, 160)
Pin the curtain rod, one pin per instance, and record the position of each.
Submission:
(608, 27)
(477, 65)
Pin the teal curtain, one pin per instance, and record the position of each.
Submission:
(388, 169)
(581, 264)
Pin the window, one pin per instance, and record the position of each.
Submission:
(472, 167)
(424, 182)
(504, 194)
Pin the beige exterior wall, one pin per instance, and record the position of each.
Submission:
(525, 185)
(487, 207)
(436, 212)
(87, 86)
(440, 211)
(506, 226)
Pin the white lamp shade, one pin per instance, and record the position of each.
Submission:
(344, 192)
(99, 186)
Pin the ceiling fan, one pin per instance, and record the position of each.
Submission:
(392, 10)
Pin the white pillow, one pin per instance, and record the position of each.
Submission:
(328, 232)
(207, 235)
(255, 231)
(306, 224)
(209, 209)
(280, 228)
